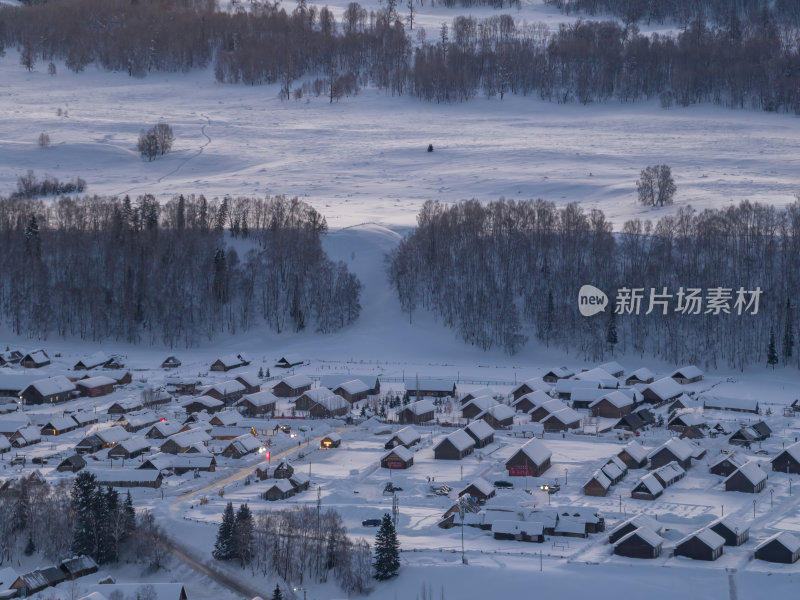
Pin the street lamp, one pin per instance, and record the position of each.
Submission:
(298, 589)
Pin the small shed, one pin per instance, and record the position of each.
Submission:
(35, 360)
(688, 374)
(71, 464)
(725, 464)
(278, 489)
(171, 362)
(292, 386)
(529, 386)
(407, 436)
(788, 461)
(479, 490)
(598, 484)
(734, 531)
(553, 375)
(481, 432)
(416, 412)
(643, 375)
(632, 524)
(521, 531)
(749, 478)
(454, 446)
(532, 459)
(648, 488)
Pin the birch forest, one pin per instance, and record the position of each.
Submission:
(503, 272)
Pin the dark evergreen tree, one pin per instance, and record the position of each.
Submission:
(788, 334)
(84, 536)
(243, 535)
(107, 511)
(611, 331)
(277, 595)
(387, 550)
(772, 354)
(130, 515)
(30, 547)
(223, 547)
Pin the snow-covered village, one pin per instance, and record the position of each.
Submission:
(414, 300)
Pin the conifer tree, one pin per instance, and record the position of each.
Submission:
(83, 508)
(611, 332)
(223, 547)
(277, 595)
(130, 515)
(772, 354)
(387, 550)
(243, 535)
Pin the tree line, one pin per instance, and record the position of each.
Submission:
(135, 270)
(503, 272)
(749, 61)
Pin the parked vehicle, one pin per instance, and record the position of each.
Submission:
(504, 485)
(371, 523)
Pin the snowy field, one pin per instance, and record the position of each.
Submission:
(363, 159)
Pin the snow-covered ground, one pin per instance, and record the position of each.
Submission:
(364, 158)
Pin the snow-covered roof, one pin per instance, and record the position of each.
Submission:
(38, 356)
(734, 458)
(332, 436)
(726, 403)
(480, 484)
(189, 437)
(284, 485)
(688, 418)
(263, 398)
(536, 398)
(647, 535)
(569, 525)
(401, 452)
(407, 435)
(230, 360)
(292, 359)
(206, 401)
(786, 539)
(432, 385)
(11, 423)
(61, 423)
(163, 460)
(246, 443)
(480, 429)
(612, 367)
(510, 527)
(124, 474)
(420, 407)
(599, 375)
(567, 416)
(612, 471)
(333, 402)
(16, 381)
(30, 434)
(638, 521)
(226, 387)
(552, 405)
(665, 388)
(354, 386)
(319, 394)
(678, 447)
(616, 460)
(481, 403)
(5, 445)
(297, 381)
(687, 372)
(561, 372)
(83, 417)
(110, 435)
(139, 418)
(127, 404)
(793, 451)
(135, 444)
(53, 385)
(93, 360)
(535, 383)
(227, 417)
(642, 374)
(752, 472)
(652, 484)
(249, 379)
(460, 440)
(600, 478)
(707, 536)
(501, 411)
(536, 451)
(732, 523)
(96, 381)
(484, 391)
(616, 398)
(162, 591)
(585, 394)
(167, 428)
(568, 386)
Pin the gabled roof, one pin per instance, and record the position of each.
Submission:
(600, 478)
(7, 577)
(163, 591)
(616, 398)
(246, 443)
(665, 388)
(793, 451)
(227, 417)
(734, 458)
(639, 521)
(432, 385)
(93, 361)
(460, 440)
(501, 411)
(679, 448)
(588, 394)
(5, 445)
(319, 394)
(135, 444)
(408, 435)
(230, 360)
(669, 471)
(616, 460)
(481, 403)
(124, 474)
(110, 435)
(167, 428)
(706, 536)
(785, 539)
(206, 401)
(727, 403)
(84, 417)
(636, 451)
(296, 382)
(688, 418)
(510, 527)
(53, 385)
(61, 423)
(648, 536)
(536, 451)
(480, 429)
(480, 484)
(612, 367)
(561, 372)
(263, 398)
(731, 523)
(687, 372)
(599, 375)
(354, 386)
(401, 452)
(642, 374)
(226, 387)
(612, 471)
(188, 437)
(536, 398)
(484, 391)
(752, 471)
(283, 485)
(566, 416)
(420, 407)
(249, 379)
(652, 484)
(535, 383)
